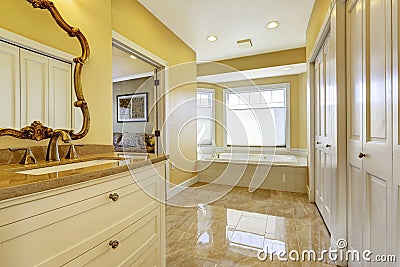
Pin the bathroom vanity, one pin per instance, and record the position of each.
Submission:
(106, 214)
(66, 208)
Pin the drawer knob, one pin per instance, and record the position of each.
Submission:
(114, 244)
(113, 197)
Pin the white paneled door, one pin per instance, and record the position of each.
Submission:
(355, 71)
(369, 126)
(325, 132)
(396, 131)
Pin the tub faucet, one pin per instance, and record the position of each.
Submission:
(52, 148)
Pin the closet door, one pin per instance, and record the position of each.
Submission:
(377, 127)
(34, 88)
(396, 130)
(9, 86)
(319, 130)
(325, 132)
(329, 147)
(370, 125)
(355, 88)
(60, 103)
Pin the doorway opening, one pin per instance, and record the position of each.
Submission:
(138, 100)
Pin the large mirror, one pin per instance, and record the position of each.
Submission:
(38, 130)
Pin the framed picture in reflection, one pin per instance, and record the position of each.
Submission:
(132, 108)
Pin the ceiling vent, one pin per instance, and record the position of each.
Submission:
(246, 43)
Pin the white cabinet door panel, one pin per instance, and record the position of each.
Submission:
(60, 103)
(9, 86)
(34, 88)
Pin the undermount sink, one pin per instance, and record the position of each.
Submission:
(68, 166)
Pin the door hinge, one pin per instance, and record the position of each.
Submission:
(157, 133)
(156, 82)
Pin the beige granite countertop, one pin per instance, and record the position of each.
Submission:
(13, 184)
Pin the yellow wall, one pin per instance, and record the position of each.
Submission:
(298, 102)
(132, 20)
(318, 15)
(96, 19)
(273, 59)
(93, 17)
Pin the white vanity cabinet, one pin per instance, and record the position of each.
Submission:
(110, 221)
(34, 87)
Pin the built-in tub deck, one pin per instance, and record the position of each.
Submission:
(265, 171)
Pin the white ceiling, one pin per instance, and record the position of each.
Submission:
(233, 20)
(124, 68)
(254, 74)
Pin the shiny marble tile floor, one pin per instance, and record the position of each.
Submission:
(231, 230)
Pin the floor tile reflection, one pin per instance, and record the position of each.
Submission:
(232, 229)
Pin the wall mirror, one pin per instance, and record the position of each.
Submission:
(37, 129)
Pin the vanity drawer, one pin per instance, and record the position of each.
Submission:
(25, 207)
(57, 236)
(136, 245)
(151, 258)
(142, 173)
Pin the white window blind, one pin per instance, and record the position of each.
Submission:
(256, 116)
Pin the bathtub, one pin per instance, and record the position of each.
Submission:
(252, 158)
(283, 172)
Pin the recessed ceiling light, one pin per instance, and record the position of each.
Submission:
(288, 68)
(132, 57)
(273, 24)
(212, 38)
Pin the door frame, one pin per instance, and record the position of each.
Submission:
(160, 64)
(335, 24)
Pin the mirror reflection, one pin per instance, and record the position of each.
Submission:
(40, 84)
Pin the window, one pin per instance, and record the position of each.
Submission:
(205, 117)
(257, 116)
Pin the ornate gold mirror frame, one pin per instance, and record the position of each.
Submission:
(37, 131)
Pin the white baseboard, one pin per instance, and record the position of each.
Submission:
(179, 188)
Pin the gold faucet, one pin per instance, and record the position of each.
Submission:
(52, 148)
